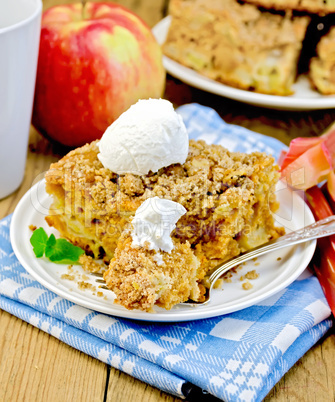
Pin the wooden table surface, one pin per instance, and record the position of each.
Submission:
(34, 366)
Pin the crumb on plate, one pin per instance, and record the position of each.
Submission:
(247, 285)
(88, 263)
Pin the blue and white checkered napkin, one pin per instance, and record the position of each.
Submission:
(236, 357)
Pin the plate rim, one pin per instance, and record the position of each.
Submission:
(181, 315)
(197, 80)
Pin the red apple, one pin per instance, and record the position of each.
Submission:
(94, 63)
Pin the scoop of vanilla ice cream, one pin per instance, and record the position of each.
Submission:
(154, 221)
(148, 136)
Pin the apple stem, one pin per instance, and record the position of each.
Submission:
(83, 3)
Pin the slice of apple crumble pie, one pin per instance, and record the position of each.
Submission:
(228, 200)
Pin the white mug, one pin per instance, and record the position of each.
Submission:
(20, 26)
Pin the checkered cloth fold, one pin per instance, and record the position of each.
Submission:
(236, 357)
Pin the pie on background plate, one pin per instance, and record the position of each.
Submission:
(305, 97)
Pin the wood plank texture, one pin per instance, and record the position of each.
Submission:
(37, 367)
(122, 387)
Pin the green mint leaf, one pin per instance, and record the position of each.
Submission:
(39, 240)
(62, 251)
(57, 250)
(51, 243)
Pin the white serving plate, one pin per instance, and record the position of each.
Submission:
(277, 270)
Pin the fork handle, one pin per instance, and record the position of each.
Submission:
(322, 228)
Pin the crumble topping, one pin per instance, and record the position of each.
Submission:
(140, 282)
(218, 188)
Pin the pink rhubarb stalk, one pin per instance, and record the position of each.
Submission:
(310, 161)
(323, 261)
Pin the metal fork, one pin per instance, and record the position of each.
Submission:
(322, 228)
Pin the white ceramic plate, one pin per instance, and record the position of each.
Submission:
(304, 98)
(277, 270)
